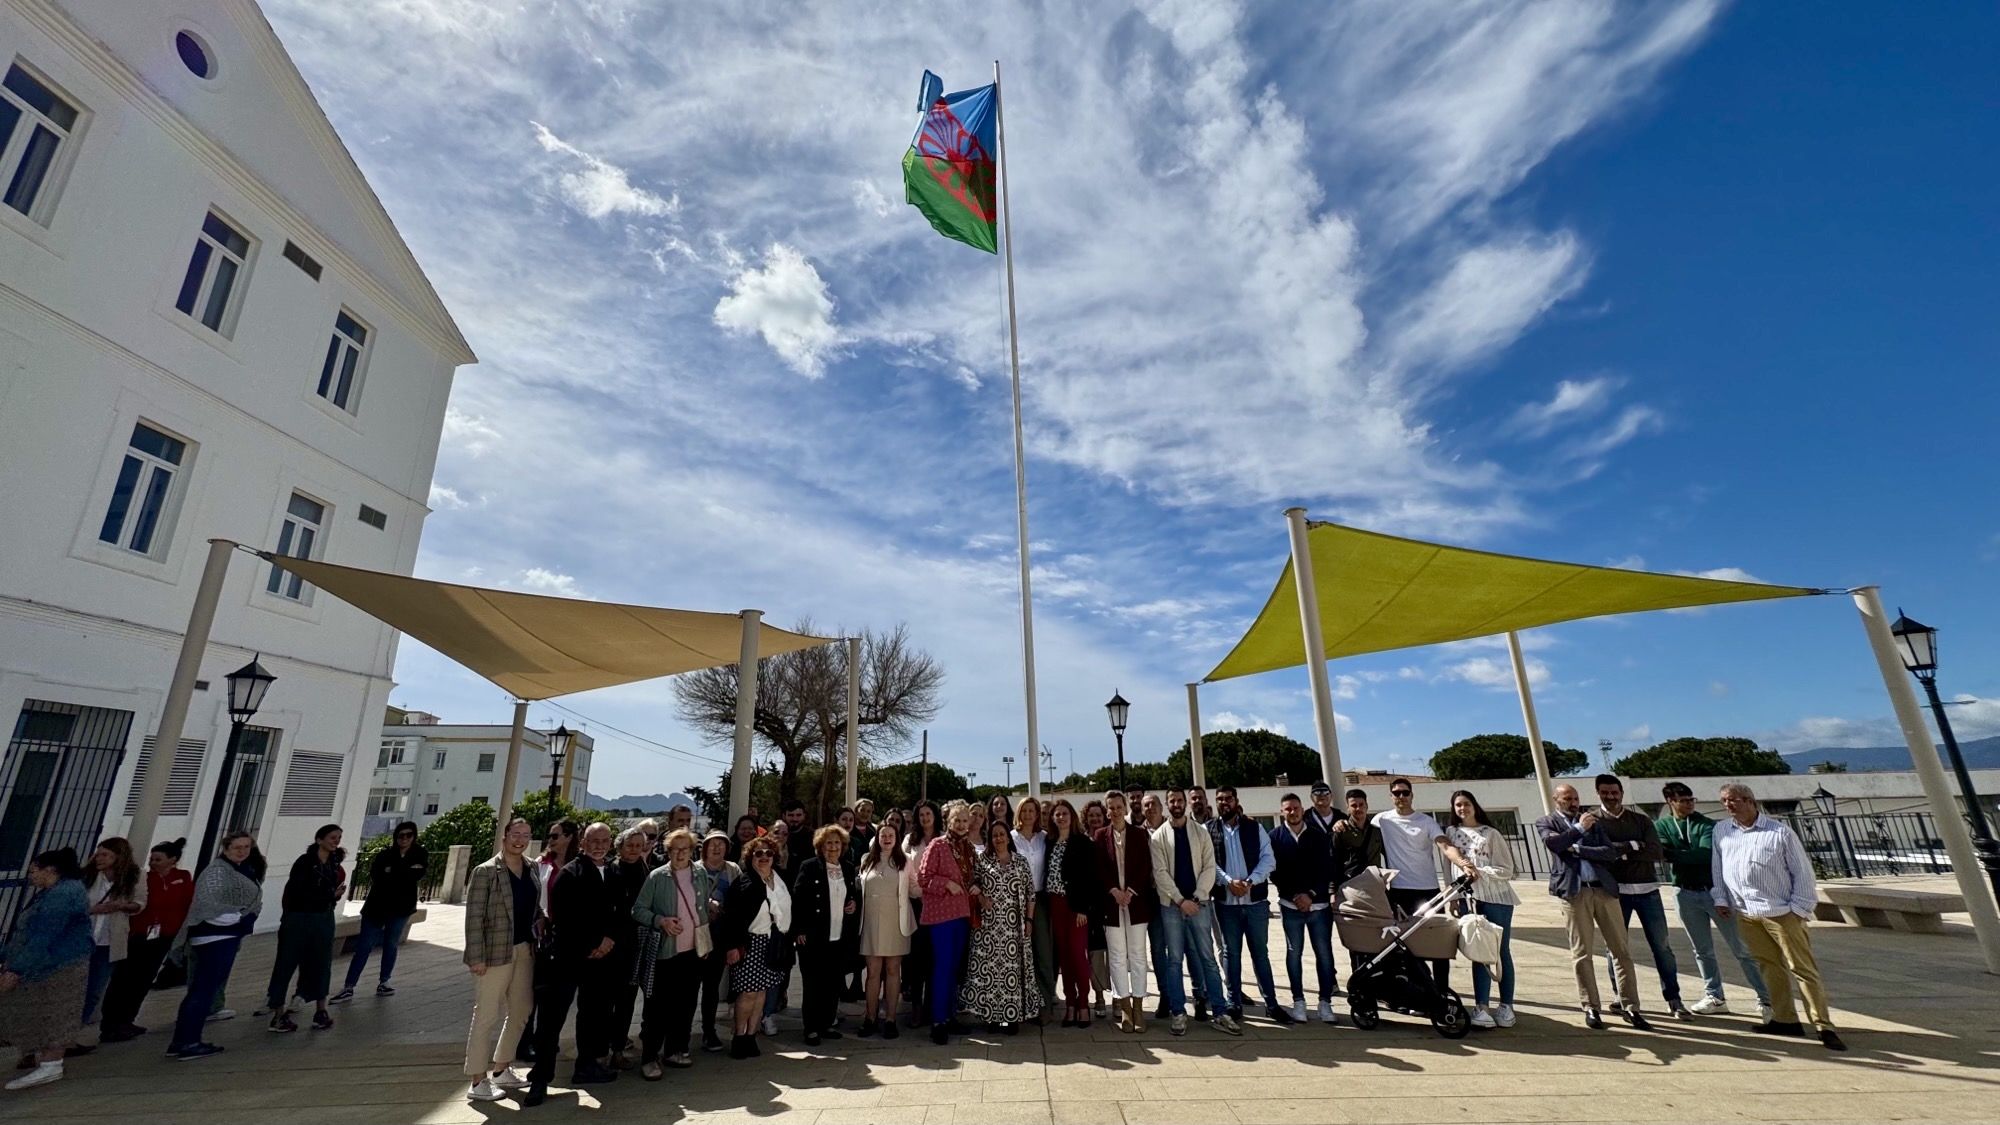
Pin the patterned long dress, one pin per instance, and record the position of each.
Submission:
(1000, 971)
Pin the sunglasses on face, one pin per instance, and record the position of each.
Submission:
(1399, 792)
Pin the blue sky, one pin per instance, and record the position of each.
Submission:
(1685, 286)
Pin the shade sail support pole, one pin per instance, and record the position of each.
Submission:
(515, 739)
(746, 716)
(180, 691)
(852, 792)
(1324, 720)
(1194, 737)
(1543, 779)
(1945, 811)
(1020, 448)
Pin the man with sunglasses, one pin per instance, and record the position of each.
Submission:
(1688, 839)
(395, 877)
(1411, 841)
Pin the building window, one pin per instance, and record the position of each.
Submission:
(431, 805)
(437, 760)
(486, 763)
(344, 354)
(306, 262)
(35, 124)
(210, 291)
(392, 753)
(138, 516)
(194, 54)
(388, 802)
(243, 805)
(303, 518)
(481, 800)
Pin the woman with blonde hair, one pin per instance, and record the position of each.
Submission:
(946, 876)
(672, 911)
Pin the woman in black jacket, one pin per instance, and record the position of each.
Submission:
(826, 927)
(305, 931)
(752, 936)
(394, 878)
(1075, 895)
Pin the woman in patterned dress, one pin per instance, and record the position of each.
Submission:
(1000, 971)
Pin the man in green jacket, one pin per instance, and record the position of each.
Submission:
(1687, 837)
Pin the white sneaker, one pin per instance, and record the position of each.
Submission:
(1483, 1018)
(508, 1079)
(1298, 1012)
(1326, 1012)
(483, 1091)
(1710, 1006)
(43, 1074)
(220, 1014)
(1504, 1015)
(1763, 1012)
(770, 1025)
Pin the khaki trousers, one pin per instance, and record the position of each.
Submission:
(1590, 914)
(1782, 948)
(505, 996)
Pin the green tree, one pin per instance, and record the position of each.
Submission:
(1488, 757)
(471, 823)
(1702, 757)
(541, 810)
(1245, 758)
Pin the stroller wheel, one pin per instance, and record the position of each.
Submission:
(1452, 1021)
(1363, 1011)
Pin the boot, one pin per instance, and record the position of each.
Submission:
(1138, 1016)
(1125, 1009)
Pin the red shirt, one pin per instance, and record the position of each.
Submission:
(167, 900)
(940, 866)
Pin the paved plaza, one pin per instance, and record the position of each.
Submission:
(1921, 1018)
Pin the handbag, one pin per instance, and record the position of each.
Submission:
(779, 953)
(704, 944)
(1479, 939)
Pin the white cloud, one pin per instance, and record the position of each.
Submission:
(786, 303)
(540, 580)
(599, 188)
(1488, 672)
(446, 499)
(1573, 399)
(1485, 300)
(1723, 574)
(1346, 687)
(869, 198)
(1230, 720)
(468, 432)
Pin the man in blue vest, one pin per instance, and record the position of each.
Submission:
(1243, 862)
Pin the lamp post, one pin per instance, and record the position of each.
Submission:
(1008, 761)
(559, 740)
(1829, 807)
(1118, 709)
(1916, 643)
(247, 686)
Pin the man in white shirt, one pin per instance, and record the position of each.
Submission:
(1764, 879)
(1410, 843)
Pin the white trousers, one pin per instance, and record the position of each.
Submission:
(1125, 948)
(505, 996)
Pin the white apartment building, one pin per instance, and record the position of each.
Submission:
(426, 767)
(209, 327)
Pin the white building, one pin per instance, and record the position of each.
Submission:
(426, 767)
(209, 327)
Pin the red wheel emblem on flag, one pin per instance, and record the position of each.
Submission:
(955, 158)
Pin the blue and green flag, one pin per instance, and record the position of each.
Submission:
(949, 172)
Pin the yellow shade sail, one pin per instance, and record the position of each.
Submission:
(1379, 592)
(538, 647)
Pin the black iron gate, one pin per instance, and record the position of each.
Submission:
(54, 787)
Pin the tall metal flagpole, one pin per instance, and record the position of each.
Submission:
(1020, 450)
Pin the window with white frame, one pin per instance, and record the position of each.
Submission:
(437, 760)
(393, 750)
(140, 513)
(344, 356)
(386, 801)
(213, 286)
(431, 804)
(35, 126)
(486, 763)
(304, 517)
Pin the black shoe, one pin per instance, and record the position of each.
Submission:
(954, 1026)
(1592, 1020)
(592, 1075)
(525, 1053)
(538, 1092)
(830, 1033)
(1201, 1010)
(1277, 1015)
(1010, 1028)
(710, 1041)
(1069, 1021)
(1160, 1012)
(1831, 1040)
(120, 1034)
(1638, 1021)
(812, 1038)
(868, 1029)
(744, 1047)
(1793, 1028)
(852, 995)
(940, 1034)
(889, 1030)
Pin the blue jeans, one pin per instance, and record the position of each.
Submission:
(1190, 940)
(1502, 915)
(100, 976)
(1697, 909)
(948, 946)
(1156, 940)
(1652, 912)
(387, 936)
(208, 971)
(1318, 925)
(1248, 924)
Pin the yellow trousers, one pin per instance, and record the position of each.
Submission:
(1782, 948)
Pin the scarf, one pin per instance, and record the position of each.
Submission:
(221, 888)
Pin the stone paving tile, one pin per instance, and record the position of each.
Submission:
(1918, 1011)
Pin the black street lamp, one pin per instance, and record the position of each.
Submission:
(1119, 709)
(1829, 807)
(1917, 645)
(247, 686)
(559, 740)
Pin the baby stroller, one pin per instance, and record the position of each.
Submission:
(1397, 974)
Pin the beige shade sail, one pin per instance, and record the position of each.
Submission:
(1378, 592)
(538, 647)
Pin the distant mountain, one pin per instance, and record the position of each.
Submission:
(652, 804)
(1980, 754)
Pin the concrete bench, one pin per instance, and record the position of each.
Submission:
(346, 929)
(1915, 912)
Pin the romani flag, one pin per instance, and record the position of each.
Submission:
(948, 174)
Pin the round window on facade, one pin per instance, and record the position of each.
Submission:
(194, 54)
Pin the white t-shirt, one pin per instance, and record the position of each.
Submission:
(100, 924)
(1035, 849)
(1409, 845)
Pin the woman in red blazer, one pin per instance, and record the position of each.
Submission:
(1125, 864)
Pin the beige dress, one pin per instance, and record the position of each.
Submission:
(885, 900)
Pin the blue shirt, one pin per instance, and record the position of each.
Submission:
(1233, 865)
(52, 932)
